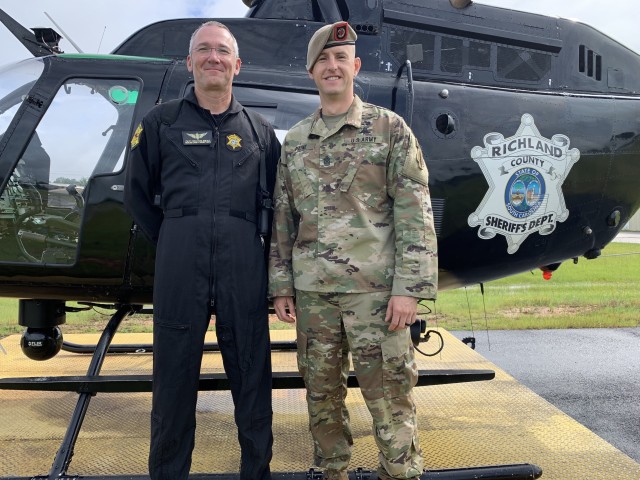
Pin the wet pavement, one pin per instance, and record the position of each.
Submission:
(628, 237)
(593, 375)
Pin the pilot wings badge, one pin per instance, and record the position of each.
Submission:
(197, 138)
(525, 173)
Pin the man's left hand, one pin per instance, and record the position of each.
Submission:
(401, 312)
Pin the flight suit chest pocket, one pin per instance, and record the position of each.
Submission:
(366, 180)
(192, 146)
(246, 163)
(245, 178)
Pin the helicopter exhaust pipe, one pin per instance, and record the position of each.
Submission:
(42, 339)
(460, 3)
(35, 45)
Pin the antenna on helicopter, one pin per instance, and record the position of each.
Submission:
(101, 38)
(78, 49)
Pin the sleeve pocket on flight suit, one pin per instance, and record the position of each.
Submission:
(399, 371)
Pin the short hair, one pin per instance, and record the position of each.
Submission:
(213, 23)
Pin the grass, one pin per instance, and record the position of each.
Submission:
(590, 294)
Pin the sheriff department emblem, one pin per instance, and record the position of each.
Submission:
(135, 140)
(233, 142)
(525, 173)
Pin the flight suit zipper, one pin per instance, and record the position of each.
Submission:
(214, 197)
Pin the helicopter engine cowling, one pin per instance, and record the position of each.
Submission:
(42, 339)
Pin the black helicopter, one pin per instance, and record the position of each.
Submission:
(529, 123)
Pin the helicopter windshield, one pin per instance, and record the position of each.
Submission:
(17, 80)
(43, 202)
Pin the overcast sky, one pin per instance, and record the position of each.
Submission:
(100, 26)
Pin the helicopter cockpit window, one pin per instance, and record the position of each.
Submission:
(17, 80)
(282, 109)
(43, 202)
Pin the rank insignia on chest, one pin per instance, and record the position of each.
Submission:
(197, 138)
(233, 142)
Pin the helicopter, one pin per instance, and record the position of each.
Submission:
(529, 126)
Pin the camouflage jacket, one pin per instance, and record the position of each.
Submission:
(352, 208)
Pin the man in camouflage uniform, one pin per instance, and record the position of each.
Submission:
(353, 241)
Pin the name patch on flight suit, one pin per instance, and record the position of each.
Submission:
(197, 138)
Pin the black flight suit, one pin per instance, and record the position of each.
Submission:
(209, 259)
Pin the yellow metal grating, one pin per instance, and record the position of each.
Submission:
(464, 425)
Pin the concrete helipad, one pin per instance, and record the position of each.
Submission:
(462, 425)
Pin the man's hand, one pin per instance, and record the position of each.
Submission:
(401, 312)
(285, 309)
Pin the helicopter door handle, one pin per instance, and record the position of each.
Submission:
(117, 188)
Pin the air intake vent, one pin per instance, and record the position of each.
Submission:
(437, 205)
(365, 28)
(589, 63)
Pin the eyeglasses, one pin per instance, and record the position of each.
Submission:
(206, 51)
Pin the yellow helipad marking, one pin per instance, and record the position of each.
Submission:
(484, 423)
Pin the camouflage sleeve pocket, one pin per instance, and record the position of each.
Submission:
(399, 370)
(414, 165)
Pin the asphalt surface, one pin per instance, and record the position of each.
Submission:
(592, 375)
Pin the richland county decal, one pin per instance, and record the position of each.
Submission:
(524, 173)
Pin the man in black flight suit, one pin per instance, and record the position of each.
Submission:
(193, 187)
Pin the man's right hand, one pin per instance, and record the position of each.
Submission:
(285, 309)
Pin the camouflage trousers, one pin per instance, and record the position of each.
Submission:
(329, 327)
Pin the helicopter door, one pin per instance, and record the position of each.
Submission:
(83, 133)
(282, 108)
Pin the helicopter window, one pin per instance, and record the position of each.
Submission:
(425, 50)
(289, 10)
(17, 80)
(451, 55)
(43, 202)
(479, 54)
(282, 109)
(413, 45)
(521, 64)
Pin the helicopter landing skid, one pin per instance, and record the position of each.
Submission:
(93, 383)
(521, 471)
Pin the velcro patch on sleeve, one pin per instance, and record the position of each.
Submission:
(414, 166)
